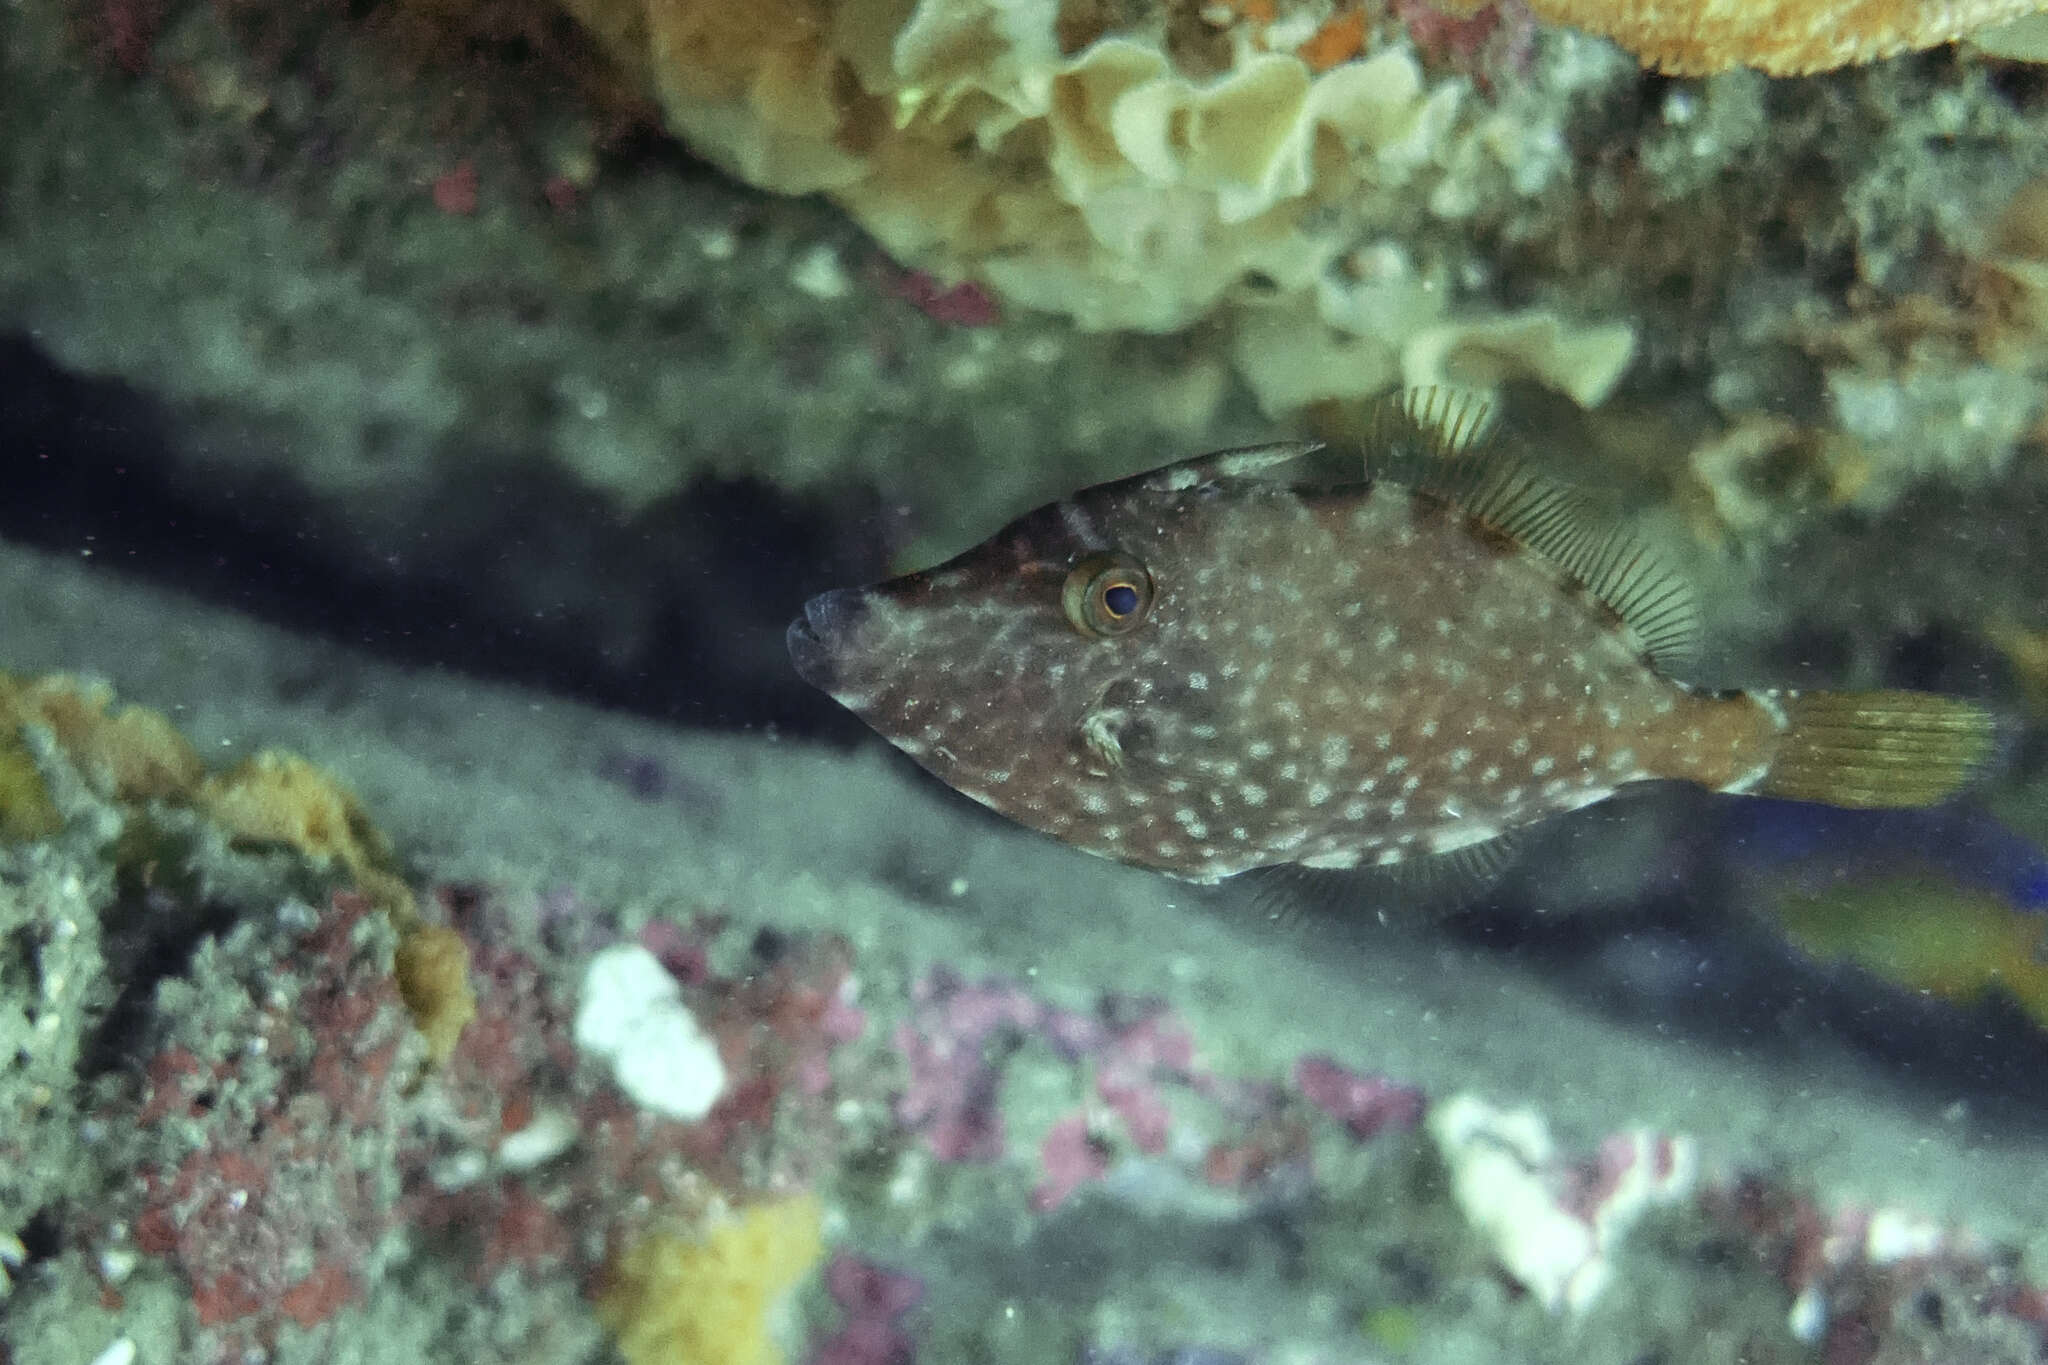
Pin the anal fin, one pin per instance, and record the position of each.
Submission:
(1426, 883)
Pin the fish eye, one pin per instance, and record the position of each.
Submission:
(1107, 594)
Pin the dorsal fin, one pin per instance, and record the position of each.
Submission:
(1434, 442)
(1242, 463)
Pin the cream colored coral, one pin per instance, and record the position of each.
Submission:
(1109, 179)
(1479, 353)
(1783, 37)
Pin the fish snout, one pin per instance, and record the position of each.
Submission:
(821, 639)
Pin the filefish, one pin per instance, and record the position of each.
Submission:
(1297, 655)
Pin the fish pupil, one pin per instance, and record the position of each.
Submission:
(1107, 593)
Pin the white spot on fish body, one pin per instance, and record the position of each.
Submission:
(1336, 751)
(1356, 810)
(1542, 766)
(1198, 681)
(1428, 728)
(1318, 794)
(1253, 794)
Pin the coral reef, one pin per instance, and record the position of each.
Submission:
(1809, 295)
(1138, 171)
(1038, 1110)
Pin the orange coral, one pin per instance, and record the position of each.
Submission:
(1783, 37)
(676, 1299)
(128, 753)
(431, 967)
(1339, 40)
(280, 798)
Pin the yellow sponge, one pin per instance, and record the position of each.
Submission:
(706, 1299)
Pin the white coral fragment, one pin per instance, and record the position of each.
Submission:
(1554, 1225)
(631, 1014)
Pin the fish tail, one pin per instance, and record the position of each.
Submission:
(1874, 750)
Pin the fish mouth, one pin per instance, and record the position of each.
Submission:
(819, 639)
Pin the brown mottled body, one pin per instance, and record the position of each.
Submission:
(1207, 669)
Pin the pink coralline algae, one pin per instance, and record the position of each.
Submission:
(955, 1042)
(966, 304)
(776, 1025)
(1851, 1272)
(274, 1210)
(294, 1142)
(455, 191)
(876, 1301)
(1366, 1104)
(1140, 1091)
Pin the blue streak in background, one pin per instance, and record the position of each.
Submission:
(1957, 842)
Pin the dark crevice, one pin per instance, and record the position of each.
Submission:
(676, 613)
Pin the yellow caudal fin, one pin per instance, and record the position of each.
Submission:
(1878, 749)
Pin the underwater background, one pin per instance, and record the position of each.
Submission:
(437, 923)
